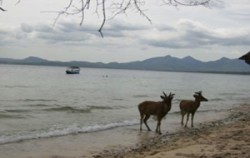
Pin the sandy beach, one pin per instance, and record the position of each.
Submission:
(227, 137)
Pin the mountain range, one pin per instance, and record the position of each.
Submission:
(165, 63)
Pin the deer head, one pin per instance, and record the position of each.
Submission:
(167, 98)
(199, 96)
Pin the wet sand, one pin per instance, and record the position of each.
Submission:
(229, 137)
(80, 145)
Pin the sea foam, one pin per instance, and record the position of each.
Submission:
(56, 132)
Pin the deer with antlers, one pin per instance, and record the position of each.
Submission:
(156, 108)
(190, 107)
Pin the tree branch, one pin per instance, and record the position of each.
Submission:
(190, 3)
(1, 2)
(2, 9)
(104, 17)
(140, 11)
(118, 7)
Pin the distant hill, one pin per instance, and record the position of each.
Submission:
(34, 60)
(166, 63)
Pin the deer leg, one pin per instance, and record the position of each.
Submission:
(158, 126)
(182, 117)
(187, 119)
(192, 120)
(158, 129)
(145, 122)
(142, 116)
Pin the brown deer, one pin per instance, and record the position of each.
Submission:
(190, 107)
(158, 109)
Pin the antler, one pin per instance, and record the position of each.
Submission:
(171, 94)
(199, 93)
(164, 94)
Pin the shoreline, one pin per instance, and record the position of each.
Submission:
(129, 142)
(229, 137)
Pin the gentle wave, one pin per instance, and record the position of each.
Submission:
(199, 111)
(41, 105)
(17, 86)
(230, 94)
(29, 100)
(8, 116)
(140, 96)
(17, 110)
(74, 129)
(210, 99)
(35, 100)
(79, 110)
(118, 99)
(216, 99)
(94, 107)
(68, 109)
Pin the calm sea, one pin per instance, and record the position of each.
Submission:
(39, 102)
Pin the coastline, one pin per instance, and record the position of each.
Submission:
(229, 137)
(226, 137)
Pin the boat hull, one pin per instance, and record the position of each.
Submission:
(71, 72)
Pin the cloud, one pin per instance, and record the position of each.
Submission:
(192, 34)
(185, 34)
(63, 33)
(69, 33)
(9, 36)
(217, 4)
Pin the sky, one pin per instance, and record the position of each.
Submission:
(205, 33)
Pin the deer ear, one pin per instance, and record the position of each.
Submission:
(195, 95)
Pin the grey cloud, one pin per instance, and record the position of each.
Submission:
(217, 4)
(240, 15)
(60, 37)
(63, 32)
(10, 36)
(35, 28)
(68, 32)
(26, 28)
(122, 26)
(44, 28)
(165, 28)
(193, 35)
(120, 29)
(68, 27)
(4, 36)
(188, 34)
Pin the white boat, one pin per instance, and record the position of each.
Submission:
(73, 70)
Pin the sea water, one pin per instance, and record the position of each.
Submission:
(39, 102)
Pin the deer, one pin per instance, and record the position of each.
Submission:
(190, 107)
(155, 108)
